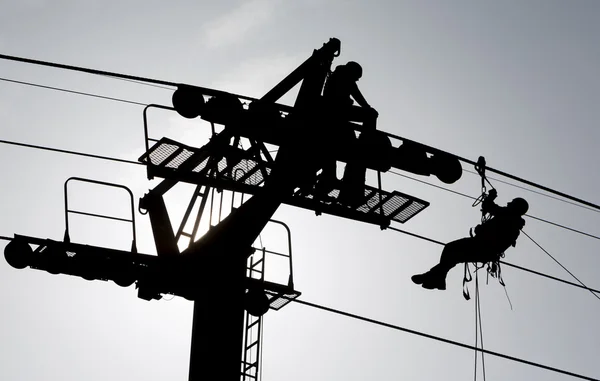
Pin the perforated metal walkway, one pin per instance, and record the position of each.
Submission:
(239, 170)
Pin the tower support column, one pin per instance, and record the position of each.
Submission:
(218, 325)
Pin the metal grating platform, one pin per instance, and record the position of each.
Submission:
(280, 300)
(168, 158)
(236, 169)
(397, 206)
(377, 206)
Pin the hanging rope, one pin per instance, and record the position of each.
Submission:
(561, 265)
(478, 328)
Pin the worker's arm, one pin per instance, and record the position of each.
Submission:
(489, 206)
(358, 97)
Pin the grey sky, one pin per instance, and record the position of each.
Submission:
(515, 81)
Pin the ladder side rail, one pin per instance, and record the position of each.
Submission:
(251, 351)
(199, 215)
(254, 356)
(187, 213)
(246, 334)
(262, 262)
(259, 349)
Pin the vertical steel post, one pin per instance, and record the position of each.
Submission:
(218, 326)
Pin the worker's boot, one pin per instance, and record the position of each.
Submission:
(431, 280)
(420, 278)
(435, 282)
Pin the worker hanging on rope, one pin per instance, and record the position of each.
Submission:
(498, 231)
(339, 94)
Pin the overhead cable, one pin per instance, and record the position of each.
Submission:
(475, 198)
(138, 163)
(73, 91)
(213, 92)
(442, 339)
(426, 335)
(141, 83)
(502, 173)
(70, 152)
(534, 191)
(204, 90)
(560, 264)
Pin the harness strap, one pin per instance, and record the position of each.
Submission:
(467, 277)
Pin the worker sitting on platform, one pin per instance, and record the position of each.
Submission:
(491, 239)
(338, 94)
(341, 88)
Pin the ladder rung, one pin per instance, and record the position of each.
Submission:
(251, 345)
(186, 234)
(254, 323)
(250, 366)
(257, 262)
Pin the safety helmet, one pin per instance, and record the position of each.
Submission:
(519, 205)
(354, 69)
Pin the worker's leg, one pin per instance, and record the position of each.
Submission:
(459, 251)
(462, 250)
(326, 180)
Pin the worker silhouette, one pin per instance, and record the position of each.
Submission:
(341, 89)
(339, 94)
(491, 239)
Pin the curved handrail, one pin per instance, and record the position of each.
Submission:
(289, 232)
(67, 211)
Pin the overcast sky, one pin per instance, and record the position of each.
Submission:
(515, 81)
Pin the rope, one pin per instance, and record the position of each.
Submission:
(561, 265)
(478, 322)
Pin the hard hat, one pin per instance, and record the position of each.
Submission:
(519, 205)
(355, 69)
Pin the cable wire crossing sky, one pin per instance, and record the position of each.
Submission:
(512, 82)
